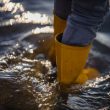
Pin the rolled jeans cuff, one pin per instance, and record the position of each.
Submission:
(77, 34)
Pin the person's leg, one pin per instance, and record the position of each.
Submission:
(84, 21)
(62, 8)
(72, 48)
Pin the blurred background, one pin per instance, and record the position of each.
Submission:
(27, 76)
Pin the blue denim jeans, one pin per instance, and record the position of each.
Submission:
(84, 17)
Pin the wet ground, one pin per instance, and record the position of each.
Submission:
(27, 76)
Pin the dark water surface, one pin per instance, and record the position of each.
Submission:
(27, 77)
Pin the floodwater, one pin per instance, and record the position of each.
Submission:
(27, 76)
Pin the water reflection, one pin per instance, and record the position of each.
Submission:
(91, 95)
(47, 29)
(11, 7)
(28, 77)
(27, 17)
(17, 14)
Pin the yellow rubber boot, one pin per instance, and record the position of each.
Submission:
(59, 26)
(87, 74)
(70, 62)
